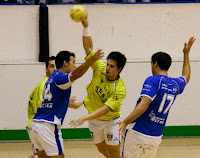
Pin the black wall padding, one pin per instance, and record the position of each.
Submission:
(44, 33)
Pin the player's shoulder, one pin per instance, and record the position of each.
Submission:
(154, 81)
(179, 80)
(58, 74)
(120, 81)
(120, 84)
(44, 79)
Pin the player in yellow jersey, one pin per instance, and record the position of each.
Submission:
(36, 97)
(104, 96)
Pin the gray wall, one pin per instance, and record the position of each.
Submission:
(136, 30)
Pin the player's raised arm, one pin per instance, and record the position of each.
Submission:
(87, 39)
(186, 62)
(79, 71)
(79, 14)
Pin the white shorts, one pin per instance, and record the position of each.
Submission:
(34, 149)
(137, 145)
(105, 130)
(48, 137)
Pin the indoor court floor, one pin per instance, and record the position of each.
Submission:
(169, 148)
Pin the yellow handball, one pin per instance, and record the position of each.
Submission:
(78, 13)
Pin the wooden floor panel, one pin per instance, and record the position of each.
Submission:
(169, 148)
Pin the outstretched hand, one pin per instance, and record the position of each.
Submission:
(188, 45)
(74, 123)
(78, 105)
(98, 55)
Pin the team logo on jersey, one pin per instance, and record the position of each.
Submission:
(156, 119)
(109, 136)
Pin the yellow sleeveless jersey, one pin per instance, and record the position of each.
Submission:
(35, 100)
(102, 92)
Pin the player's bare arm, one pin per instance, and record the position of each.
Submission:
(96, 114)
(87, 39)
(186, 62)
(138, 111)
(79, 71)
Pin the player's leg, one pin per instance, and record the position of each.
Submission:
(131, 148)
(32, 156)
(102, 148)
(34, 149)
(59, 156)
(97, 129)
(34, 139)
(112, 138)
(41, 154)
(39, 142)
(114, 151)
(149, 151)
(151, 146)
(50, 138)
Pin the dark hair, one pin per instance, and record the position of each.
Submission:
(63, 56)
(49, 59)
(119, 58)
(163, 59)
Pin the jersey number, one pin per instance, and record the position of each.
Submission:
(47, 93)
(166, 97)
